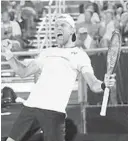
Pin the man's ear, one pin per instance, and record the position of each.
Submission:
(73, 30)
(73, 37)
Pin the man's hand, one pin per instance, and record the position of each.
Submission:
(109, 80)
(6, 46)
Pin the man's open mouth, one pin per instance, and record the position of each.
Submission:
(60, 36)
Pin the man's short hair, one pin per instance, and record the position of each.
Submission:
(67, 18)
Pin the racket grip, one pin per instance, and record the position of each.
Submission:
(105, 102)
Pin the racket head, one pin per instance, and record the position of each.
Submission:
(113, 54)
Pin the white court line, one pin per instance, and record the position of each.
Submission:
(5, 114)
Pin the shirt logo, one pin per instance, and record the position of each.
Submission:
(74, 53)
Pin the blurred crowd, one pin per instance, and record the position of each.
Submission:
(98, 20)
(19, 21)
(95, 23)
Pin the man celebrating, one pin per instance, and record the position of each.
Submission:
(49, 96)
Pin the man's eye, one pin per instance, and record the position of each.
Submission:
(63, 25)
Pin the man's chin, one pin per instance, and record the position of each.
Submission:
(61, 43)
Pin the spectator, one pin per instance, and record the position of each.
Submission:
(16, 30)
(9, 28)
(43, 12)
(19, 17)
(94, 29)
(12, 3)
(105, 5)
(96, 14)
(81, 17)
(25, 16)
(4, 6)
(124, 15)
(29, 15)
(29, 3)
(82, 9)
(6, 28)
(118, 14)
(125, 33)
(82, 38)
(22, 28)
(94, 8)
(23, 25)
(125, 6)
(109, 27)
(111, 5)
(119, 11)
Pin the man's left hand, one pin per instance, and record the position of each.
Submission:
(109, 80)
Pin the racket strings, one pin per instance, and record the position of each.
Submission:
(113, 52)
(112, 57)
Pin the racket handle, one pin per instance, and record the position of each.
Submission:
(105, 102)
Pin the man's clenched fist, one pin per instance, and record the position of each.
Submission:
(6, 46)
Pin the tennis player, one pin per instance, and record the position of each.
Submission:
(49, 97)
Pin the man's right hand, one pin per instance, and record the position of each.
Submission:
(6, 46)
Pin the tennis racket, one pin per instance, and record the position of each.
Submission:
(113, 56)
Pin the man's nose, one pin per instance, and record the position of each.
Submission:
(59, 27)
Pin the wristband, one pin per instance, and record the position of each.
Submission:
(103, 86)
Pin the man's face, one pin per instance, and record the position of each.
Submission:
(5, 17)
(63, 32)
(88, 15)
(82, 36)
(119, 10)
(108, 17)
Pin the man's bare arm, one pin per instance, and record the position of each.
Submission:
(21, 69)
(97, 85)
(93, 82)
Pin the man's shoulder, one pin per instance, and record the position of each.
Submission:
(14, 24)
(79, 51)
(49, 50)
